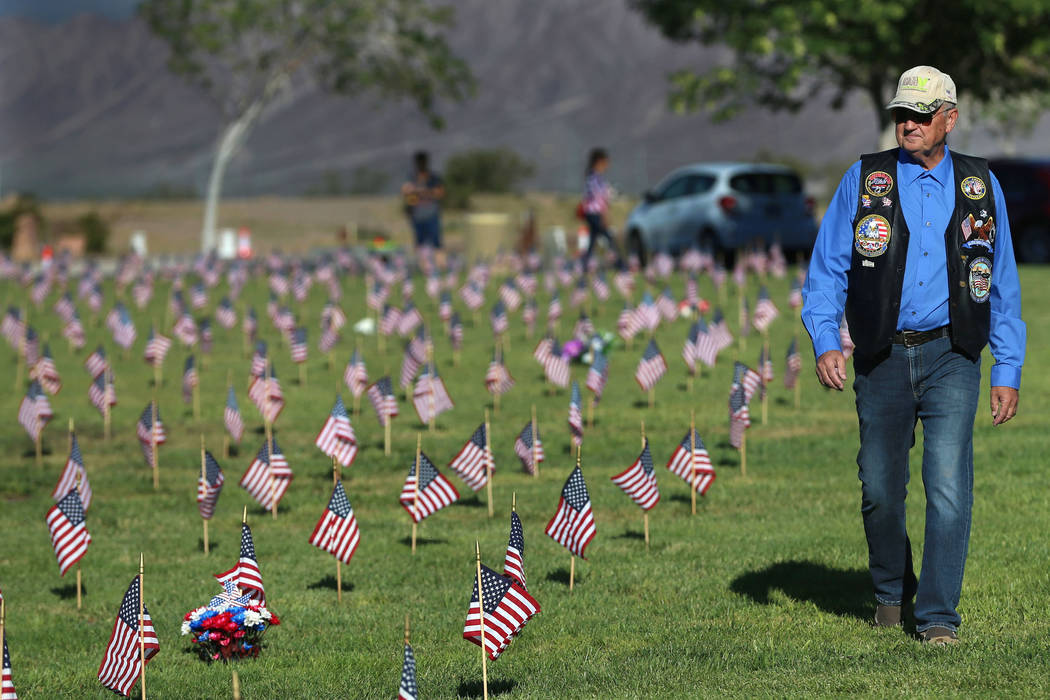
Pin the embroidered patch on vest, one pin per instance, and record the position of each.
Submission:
(980, 279)
(872, 236)
(978, 232)
(878, 183)
(865, 201)
(973, 187)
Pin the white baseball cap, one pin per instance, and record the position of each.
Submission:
(923, 89)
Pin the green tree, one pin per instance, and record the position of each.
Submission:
(786, 53)
(247, 54)
(490, 170)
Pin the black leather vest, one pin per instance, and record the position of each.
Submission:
(880, 250)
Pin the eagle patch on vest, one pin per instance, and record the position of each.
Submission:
(973, 187)
(980, 279)
(872, 236)
(878, 183)
(979, 232)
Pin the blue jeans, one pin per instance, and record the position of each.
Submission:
(940, 387)
(428, 231)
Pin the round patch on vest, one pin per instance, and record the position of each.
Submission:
(973, 187)
(878, 183)
(980, 279)
(872, 236)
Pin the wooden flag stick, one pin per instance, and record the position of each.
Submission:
(652, 396)
(743, 455)
(236, 686)
(408, 635)
(338, 564)
(692, 459)
(488, 464)
(513, 501)
(153, 442)
(3, 613)
(481, 619)
(302, 374)
(157, 366)
(572, 557)
(204, 481)
(106, 408)
(20, 360)
(38, 445)
(197, 393)
(798, 386)
(590, 414)
(268, 427)
(415, 491)
(535, 439)
(762, 371)
(142, 638)
(645, 513)
(76, 485)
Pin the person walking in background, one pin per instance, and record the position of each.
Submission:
(915, 247)
(422, 194)
(595, 204)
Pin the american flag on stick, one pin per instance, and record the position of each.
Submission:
(765, 311)
(576, 415)
(498, 317)
(298, 345)
(185, 330)
(225, 314)
(356, 375)
(122, 663)
(598, 374)
(747, 378)
(245, 573)
(497, 378)
(455, 331)
(433, 492)
(795, 295)
(381, 394)
(584, 328)
(739, 416)
(647, 314)
(157, 347)
(694, 469)
(765, 367)
(102, 392)
(639, 480)
(408, 690)
(719, 330)
(69, 534)
(705, 347)
(524, 448)
(96, 362)
(209, 486)
(409, 320)
(336, 532)
(513, 562)
(73, 331)
(7, 685)
(414, 356)
(573, 524)
(651, 368)
(430, 397)
(74, 475)
(506, 607)
(231, 417)
(268, 476)
(146, 428)
(667, 306)
(337, 439)
(46, 372)
(555, 366)
(445, 307)
(189, 379)
(474, 460)
(34, 413)
(509, 295)
(793, 362)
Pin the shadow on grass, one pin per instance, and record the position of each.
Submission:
(31, 452)
(260, 511)
(728, 462)
(69, 591)
(631, 535)
(641, 403)
(212, 544)
(472, 689)
(842, 592)
(420, 541)
(474, 502)
(561, 575)
(328, 582)
(782, 401)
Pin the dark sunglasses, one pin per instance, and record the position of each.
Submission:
(901, 115)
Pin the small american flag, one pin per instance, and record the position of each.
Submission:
(96, 362)
(747, 378)
(507, 607)
(795, 295)
(509, 295)
(381, 394)
(573, 524)
(600, 287)
(598, 374)
(69, 534)
(231, 417)
(793, 363)
(445, 307)
(46, 372)
(433, 493)
(555, 366)
(689, 347)
(198, 297)
(647, 313)
(739, 416)
(692, 290)
(497, 378)
(258, 366)
(579, 293)
(122, 663)
(376, 296)
(225, 314)
(207, 337)
(528, 315)
(513, 562)
(336, 532)
(744, 316)
(298, 345)
(34, 413)
(408, 690)
(430, 397)
(554, 308)
(720, 330)
(414, 355)
(696, 469)
(523, 447)
(472, 296)
(455, 331)
(267, 477)
(705, 347)
(667, 306)
(102, 393)
(157, 347)
(7, 685)
(149, 432)
(73, 331)
(575, 415)
(186, 330)
(64, 307)
(68, 480)
(624, 283)
(651, 368)
(209, 485)
(765, 311)
(639, 480)
(250, 324)
(473, 461)
(189, 379)
(584, 328)
(410, 319)
(765, 368)
(498, 317)
(337, 439)
(329, 337)
(245, 573)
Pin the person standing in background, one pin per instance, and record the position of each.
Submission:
(595, 203)
(422, 194)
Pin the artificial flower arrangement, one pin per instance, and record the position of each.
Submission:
(231, 626)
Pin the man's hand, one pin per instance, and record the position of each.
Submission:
(831, 370)
(1004, 404)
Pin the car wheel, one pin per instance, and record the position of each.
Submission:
(1033, 244)
(710, 242)
(636, 246)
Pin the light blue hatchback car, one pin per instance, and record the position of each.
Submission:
(721, 207)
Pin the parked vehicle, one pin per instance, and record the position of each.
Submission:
(1026, 186)
(722, 207)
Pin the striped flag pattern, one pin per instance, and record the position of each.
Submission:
(69, 535)
(513, 562)
(507, 607)
(257, 479)
(245, 573)
(7, 689)
(473, 461)
(523, 448)
(231, 417)
(337, 439)
(68, 480)
(639, 480)
(336, 532)
(434, 491)
(697, 470)
(573, 524)
(122, 663)
(408, 689)
(651, 368)
(575, 415)
(209, 486)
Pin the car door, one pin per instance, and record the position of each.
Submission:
(666, 212)
(694, 214)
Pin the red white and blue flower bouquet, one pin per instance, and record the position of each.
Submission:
(231, 626)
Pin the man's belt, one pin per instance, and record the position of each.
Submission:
(910, 339)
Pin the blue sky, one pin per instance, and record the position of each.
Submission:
(61, 10)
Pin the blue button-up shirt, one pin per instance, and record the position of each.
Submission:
(927, 200)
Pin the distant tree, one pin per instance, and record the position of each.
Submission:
(490, 170)
(96, 232)
(247, 54)
(786, 53)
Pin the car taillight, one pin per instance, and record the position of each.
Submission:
(811, 206)
(728, 204)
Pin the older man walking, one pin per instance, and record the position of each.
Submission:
(915, 248)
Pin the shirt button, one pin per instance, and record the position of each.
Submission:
(927, 223)
(912, 313)
(920, 284)
(925, 254)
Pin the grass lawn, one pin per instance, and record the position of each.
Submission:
(764, 592)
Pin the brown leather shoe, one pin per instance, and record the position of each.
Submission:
(939, 636)
(887, 615)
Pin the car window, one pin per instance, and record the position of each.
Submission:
(679, 187)
(698, 184)
(766, 183)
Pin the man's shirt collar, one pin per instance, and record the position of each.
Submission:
(909, 170)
